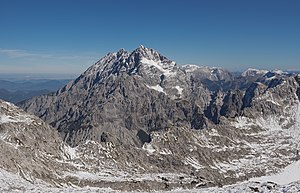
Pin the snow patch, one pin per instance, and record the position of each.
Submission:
(271, 123)
(157, 88)
(165, 152)
(274, 102)
(83, 175)
(10, 182)
(149, 148)
(289, 174)
(16, 119)
(70, 152)
(271, 78)
(179, 89)
(9, 104)
(165, 69)
(243, 122)
(193, 162)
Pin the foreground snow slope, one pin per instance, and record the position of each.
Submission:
(288, 175)
(10, 183)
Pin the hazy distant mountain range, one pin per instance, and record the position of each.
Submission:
(18, 90)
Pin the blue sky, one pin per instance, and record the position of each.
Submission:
(67, 36)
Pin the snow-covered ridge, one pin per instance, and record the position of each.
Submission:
(8, 110)
(192, 68)
(205, 72)
(165, 69)
(256, 72)
(132, 62)
(16, 119)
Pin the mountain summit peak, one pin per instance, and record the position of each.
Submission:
(148, 53)
(122, 50)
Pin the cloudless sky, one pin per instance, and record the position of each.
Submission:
(67, 36)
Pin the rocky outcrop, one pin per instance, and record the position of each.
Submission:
(29, 146)
(232, 104)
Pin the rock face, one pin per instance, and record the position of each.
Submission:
(203, 123)
(142, 90)
(28, 145)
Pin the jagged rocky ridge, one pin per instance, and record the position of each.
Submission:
(140, 110)
(136, 92)
(28, 145)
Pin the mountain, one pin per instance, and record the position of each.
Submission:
(254, 72)
(210, 73)
(136, 92)
(140, 113)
